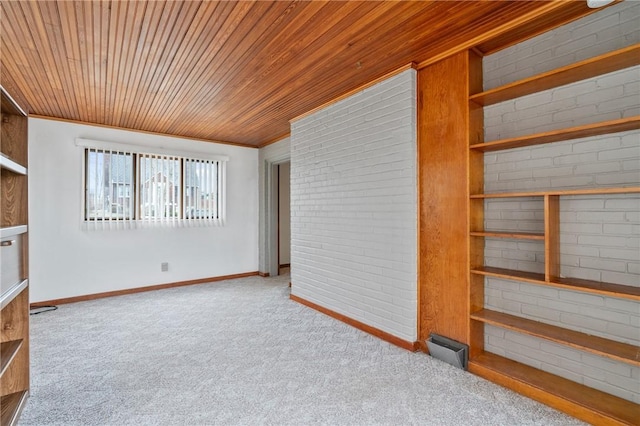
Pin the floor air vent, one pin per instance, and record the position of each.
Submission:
(448, 350)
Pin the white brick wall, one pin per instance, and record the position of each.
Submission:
(613, 28)
(274, 153)
(608, 97)
(354, 206)
(600, 235)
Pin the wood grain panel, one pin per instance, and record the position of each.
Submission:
(13, 130)
(235, 71)
(476, 207)
(443, 138)
(13, 190)
(14, 322)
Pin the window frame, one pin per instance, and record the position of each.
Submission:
(138, 152)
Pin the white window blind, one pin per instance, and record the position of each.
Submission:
(109, 195)
(159, 180)
(202, 195)
(125, 189)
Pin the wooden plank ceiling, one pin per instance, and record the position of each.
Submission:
(229, 71)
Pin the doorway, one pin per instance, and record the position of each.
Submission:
(284, 216)
(277, 223)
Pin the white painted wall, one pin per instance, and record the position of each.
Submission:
(284, 200)
(354, 206)
(67, 261)
(599, 235)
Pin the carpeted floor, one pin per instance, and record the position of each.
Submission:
(239, 352)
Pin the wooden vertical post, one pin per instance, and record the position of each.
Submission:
(551, 237)
(445, 128)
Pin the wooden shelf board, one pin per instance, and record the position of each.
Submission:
(10, 407)
(8, 164)
(564, 192)
(592, 67)
(576, 284)
(9, 231)
(612, 349)
(512, 235)
(597, 287)
(510, 274)
(9, 295)
(586, 403)
(605, 127)
(8, 351)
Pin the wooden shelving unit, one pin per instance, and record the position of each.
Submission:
(576, 399)
(14, 287)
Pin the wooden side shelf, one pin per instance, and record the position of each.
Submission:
(592, 67)
(583, 402)
(8, 350)
(14, 290)
(10, 407)
(602, 128)
(510, 235)
(8, 296)
(587, 286)
(618, 351)
(564, 192)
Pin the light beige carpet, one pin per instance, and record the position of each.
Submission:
(239, 352)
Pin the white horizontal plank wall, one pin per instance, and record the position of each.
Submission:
(599, 235)
(354, 206)
(67, 261)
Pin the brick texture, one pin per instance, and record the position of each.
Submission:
(599, 235)
(613, 28)
(354, 206)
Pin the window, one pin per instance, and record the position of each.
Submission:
(201, 189)
(152, 189)
(108, 185)
(159, 187)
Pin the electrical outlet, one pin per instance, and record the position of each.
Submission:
(164, 266)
